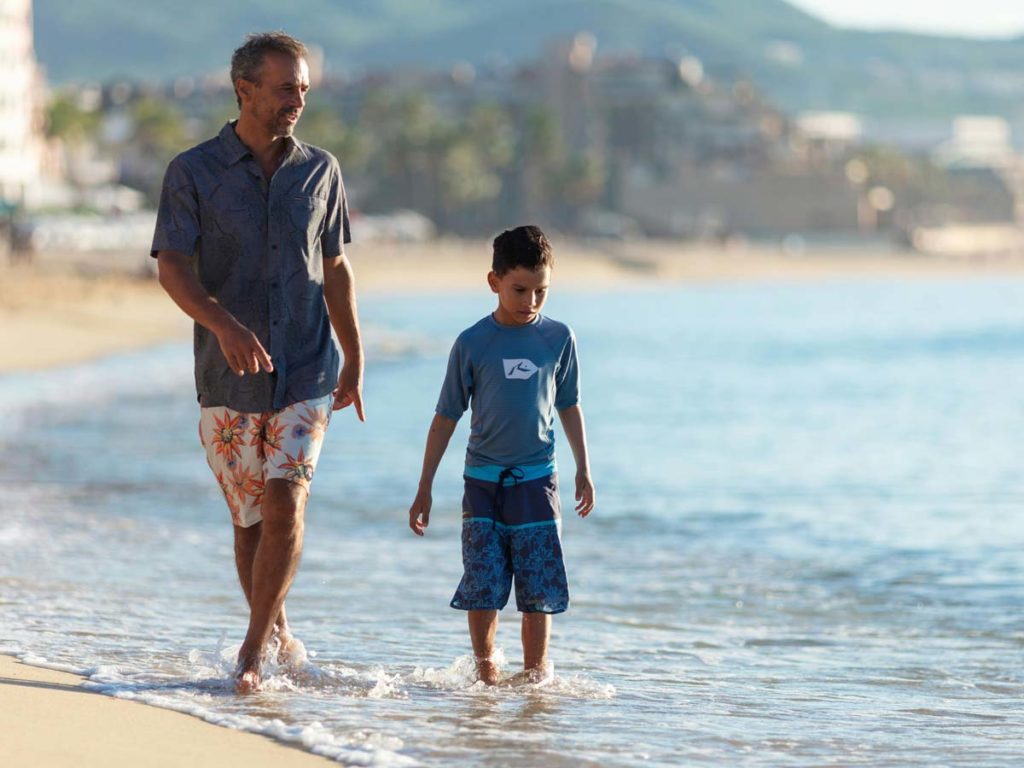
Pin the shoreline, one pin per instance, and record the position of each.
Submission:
(51, 719)
(72, 308)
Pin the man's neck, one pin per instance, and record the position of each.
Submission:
(268, 149)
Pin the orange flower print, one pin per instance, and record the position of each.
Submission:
(241, 480)
(256, 433)
(273, 434)
(297, 468)
(229, 497)
(314, 423)
(255, 489)
(228, 435)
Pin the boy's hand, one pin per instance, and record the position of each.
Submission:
(585, 494)
(419, 512)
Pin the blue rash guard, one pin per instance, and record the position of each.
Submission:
(514, 378)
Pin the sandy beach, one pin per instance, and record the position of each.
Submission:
(70, 308)
(50, 720)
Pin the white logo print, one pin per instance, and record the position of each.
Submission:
(519, 368)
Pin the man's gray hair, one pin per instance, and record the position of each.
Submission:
(247, 60)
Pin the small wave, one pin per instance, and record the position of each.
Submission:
(461, 675)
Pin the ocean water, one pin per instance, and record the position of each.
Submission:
(808, 547)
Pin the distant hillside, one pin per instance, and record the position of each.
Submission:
(799, 61)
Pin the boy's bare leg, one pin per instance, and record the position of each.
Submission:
(247, 540)
(536, 633)
(483, 626)
(273, 569)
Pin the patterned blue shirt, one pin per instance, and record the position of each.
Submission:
(258, 247)
(515, 378)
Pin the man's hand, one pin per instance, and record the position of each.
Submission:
(419, 512)
(350, 389)
(585, 495)
(242, 350)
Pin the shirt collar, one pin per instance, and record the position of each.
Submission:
(235, 150)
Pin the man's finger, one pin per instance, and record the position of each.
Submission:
(263, 359)
(357, 399)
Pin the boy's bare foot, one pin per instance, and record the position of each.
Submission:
(487, 670)
(532, 676)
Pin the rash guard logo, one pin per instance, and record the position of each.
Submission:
(519, 368)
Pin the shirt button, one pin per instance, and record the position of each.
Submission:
(273, 247)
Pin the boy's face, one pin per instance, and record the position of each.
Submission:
(521, 294)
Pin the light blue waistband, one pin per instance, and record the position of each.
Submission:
(490, 472)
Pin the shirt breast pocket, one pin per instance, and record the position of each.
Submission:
(306, 217)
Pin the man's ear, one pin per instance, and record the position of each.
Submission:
(492, 280)
(244, 89)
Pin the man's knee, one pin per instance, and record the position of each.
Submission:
(284, 504)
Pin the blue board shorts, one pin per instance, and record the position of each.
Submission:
(512, 531)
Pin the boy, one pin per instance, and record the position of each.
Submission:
(515, 368)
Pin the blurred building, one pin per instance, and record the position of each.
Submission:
(22, 143)
(978, 141)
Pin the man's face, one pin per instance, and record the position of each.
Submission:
(521, 294)
(277, 100)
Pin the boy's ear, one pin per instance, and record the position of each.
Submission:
(492, 280)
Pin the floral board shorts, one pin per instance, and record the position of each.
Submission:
(245, 450)
(512, 531)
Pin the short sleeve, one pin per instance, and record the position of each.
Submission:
(458, 384)
(177, 218)
(336, 227)
(567, 377)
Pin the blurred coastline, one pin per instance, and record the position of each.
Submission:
(70, 307)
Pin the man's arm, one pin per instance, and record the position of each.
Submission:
(576, 434)
(241, 348)
(340, 295)
(441, 429)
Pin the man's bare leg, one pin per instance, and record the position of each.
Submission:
(247, 540)
(273, 569)
(483, 626)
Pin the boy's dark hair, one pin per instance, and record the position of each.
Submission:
(521, 247)
(247, 60)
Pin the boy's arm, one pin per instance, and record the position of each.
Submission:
(576, 434)
(441, 429)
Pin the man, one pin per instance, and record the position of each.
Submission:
(250, 242)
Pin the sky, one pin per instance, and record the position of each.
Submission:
(973, 18)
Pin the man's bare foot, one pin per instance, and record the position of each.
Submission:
(487, 670)
(247, 679)
(289, 649)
